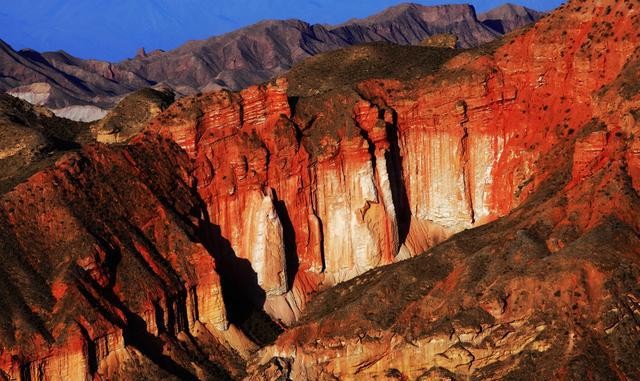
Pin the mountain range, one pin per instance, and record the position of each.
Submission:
(378, 212)
(82, 89)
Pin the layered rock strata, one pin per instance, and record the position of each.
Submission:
(162, 255)
(361, 178)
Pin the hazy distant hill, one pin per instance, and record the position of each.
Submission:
(235, 60)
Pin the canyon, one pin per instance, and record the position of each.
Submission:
(451, 215)
(83, 89)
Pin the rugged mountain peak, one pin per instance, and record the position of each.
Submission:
(509, 17)
(427, 13)
(509, 11)
(410, 23)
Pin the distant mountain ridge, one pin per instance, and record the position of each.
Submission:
(508, 17)
(238, 59)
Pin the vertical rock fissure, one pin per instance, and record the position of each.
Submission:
(199, 131)
(371, 148)
(267, 158)
(464, 143)
(193, 301)
(396, 177)
(293, 102)
(289, 236)
(314, 208)
(91, 353)
(243, 297)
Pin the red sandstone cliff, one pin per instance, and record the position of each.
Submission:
(392, 168)
(234, 203)
(543, 131)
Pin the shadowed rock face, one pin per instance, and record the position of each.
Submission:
(32, 138)
(100, 268)
(478, 219)
(235, 60)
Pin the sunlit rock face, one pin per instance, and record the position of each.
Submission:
(346, 181)
(536, 141)
(516, 168)
(308, 208)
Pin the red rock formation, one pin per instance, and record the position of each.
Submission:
(266, 199)
(542, 130)
(365, 179)
(100, 267)
(277, 192)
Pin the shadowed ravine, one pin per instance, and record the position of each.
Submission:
(477, 219)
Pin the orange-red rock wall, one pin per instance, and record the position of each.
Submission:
(309, 188)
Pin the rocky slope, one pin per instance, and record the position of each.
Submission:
(264, 219)
(132, 114)
(32, 138)
(74, 87)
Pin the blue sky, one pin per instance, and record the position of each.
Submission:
(114, 29)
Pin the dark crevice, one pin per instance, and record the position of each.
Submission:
(25, 372)
(134, 332)
(465, 173)
(314, 207)
(371, 147)
(177, 314)
(159, 317)
(396, 178)
(290, 246)
(464, 142)
(293, 102)
(193, 301)
(92, 356)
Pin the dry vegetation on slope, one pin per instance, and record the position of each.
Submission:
(236, 215)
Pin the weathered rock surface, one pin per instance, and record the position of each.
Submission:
(542, 132)
(515, 166)
(235, 60)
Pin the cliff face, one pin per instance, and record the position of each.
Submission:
(543, 132)
(348, 180)
(174, 254)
